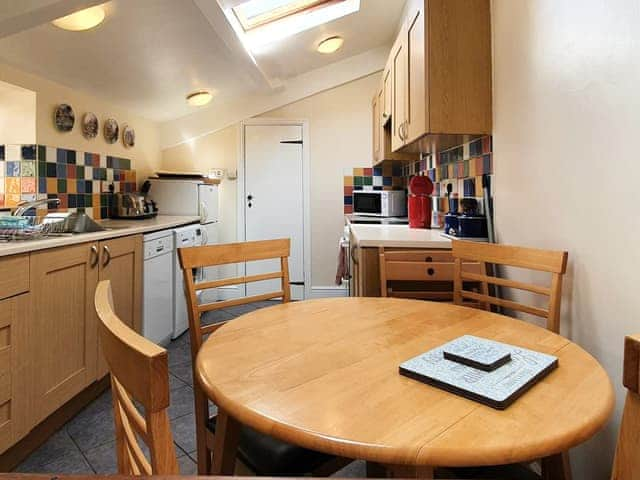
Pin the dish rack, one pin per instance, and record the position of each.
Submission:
(29, 228)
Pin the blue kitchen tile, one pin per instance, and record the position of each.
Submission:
(396, 171)
(88, 187)
(1, 152)
(377, 171)
(28, 152)
(357, 187)
(72, 200)
(71, 157)
(475, 148)
(387, 181)
(61, 170)
(42, 185)
(486, 163)
(13, 169)
(348, 200)
(61, 155)
(80, 186)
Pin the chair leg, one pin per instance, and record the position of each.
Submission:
(556, 467)
(226, 444)
(202, 414)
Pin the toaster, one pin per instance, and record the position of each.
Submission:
(132, 205)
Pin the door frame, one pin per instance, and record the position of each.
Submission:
(306, 194)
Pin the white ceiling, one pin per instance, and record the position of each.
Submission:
(149, 54)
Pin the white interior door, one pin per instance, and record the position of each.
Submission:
(274, 200)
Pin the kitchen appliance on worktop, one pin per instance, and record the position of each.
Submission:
(469, 224)
(419, 206)
(380, 203)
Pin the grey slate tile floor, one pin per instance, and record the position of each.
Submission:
(86, 444)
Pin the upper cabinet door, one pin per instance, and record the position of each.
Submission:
(387, 93)
(64, 324)
(417, 113)
(399, 84)
(376, 128)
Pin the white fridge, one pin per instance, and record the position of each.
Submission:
(191, 197)
(188, 197)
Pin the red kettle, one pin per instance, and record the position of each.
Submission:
(419, 207)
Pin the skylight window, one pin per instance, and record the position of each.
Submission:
(255, 13)
(259, 23)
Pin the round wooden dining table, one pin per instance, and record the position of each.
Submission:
(323, 374)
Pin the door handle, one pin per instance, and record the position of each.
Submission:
(94, 256)
(107, 253)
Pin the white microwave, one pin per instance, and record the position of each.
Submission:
(380, 203)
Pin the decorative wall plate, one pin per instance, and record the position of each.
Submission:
(89, 125)
(128, 136)
(64, 117)
(111, 130)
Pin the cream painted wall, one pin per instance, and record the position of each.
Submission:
(566, 116)
(145, 155)
(17, 115)
(216, 150)
(340, 137)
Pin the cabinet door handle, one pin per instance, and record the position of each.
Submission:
(400, 132)
(107, 254)
(94, 256)
(405, 130)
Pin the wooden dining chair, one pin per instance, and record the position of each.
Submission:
(262, 454)
(549, 261)
(139, 372)
(419, 274)
(626, 463)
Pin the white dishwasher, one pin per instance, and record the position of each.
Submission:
(158, 298)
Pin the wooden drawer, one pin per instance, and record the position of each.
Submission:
(14, 399)
(14, 275)
(419, 256)
(421, 271)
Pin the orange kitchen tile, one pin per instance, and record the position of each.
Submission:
(348, 181)
(358, 172)
(72, 186)
(96, 200)
(52, 185)
(12, 200)
(12, 185)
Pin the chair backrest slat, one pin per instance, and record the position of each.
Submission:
(548, 261)
(139, 370)
(626, 464)
(223, 254)
(211, 255)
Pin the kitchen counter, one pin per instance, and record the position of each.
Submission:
(400, 236)
(116, 228)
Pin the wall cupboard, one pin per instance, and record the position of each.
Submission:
(48, 327)
(436, 88)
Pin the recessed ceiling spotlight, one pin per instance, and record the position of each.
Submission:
(199, 98)
(330, 45)
(81, 20)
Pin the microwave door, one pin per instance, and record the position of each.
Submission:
(367, 203)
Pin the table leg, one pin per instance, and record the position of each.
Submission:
(225, 444)
(410, 471)
(556, 467)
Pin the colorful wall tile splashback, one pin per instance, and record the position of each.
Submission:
(80, 180)
(462, 167)
(387, 177)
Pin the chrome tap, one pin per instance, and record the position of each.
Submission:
(25, 206)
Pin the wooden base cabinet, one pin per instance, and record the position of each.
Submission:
(15, 404)
(49, 351)
(121, 262)
(63, 326)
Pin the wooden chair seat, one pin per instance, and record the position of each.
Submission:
(268, 456)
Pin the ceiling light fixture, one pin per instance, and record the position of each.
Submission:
(197, 99)
(330, 45)
(81, 20)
